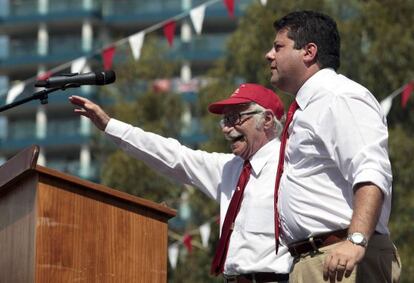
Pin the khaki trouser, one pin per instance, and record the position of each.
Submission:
(381, 264)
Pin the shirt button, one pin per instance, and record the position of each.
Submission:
(238, 188)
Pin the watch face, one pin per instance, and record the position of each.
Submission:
(357, 238)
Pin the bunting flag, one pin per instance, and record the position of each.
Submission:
(14, 92)
(87, 69)
(187, 242)
(78, 65)
(197, 18)
(406, 93)
(230, 7)
(173, 255)
(264, 2)
(44, 76)
(135, 42)
(169, 31)
(386, 105)
(205, 230)
(108, 57)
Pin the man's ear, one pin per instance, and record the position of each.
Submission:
(268, 117)
(310, 53)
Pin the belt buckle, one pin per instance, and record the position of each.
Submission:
(230, 278)
(315, 248)
(312, 242)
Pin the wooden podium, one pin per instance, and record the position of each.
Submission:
(59, 228)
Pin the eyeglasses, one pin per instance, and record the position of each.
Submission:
(236, 118)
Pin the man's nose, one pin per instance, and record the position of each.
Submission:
(226, 129)
(270, 54)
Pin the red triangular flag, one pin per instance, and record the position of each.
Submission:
(108, 57)
(169, 31)
(230, 7)
(187, 242)
(406, 93)
(44, 76)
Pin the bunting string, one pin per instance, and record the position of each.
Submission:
(187, 240)
(136, 40)
(405, 92)
(107, 51)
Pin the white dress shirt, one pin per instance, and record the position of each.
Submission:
(338, 138)
(252, 243)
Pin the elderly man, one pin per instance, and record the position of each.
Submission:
(242, 182)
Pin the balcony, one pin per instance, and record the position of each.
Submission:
(139, 10)
(200, 48)
(32, 11)
(146, 12)
(73, 167)
(60, 133)
(23, 52)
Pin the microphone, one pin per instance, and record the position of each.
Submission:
(76, 79)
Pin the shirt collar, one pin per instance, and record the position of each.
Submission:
(312, 85)
(263, 155)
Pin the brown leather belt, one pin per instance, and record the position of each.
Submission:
(314, 243)
(260, 277)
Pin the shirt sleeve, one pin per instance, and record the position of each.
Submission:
(355, 134)
(169, 157)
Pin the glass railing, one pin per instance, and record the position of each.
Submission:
(32, 7)
(21, 130)
(73, 167)
(67, 127)
(58, 45)
(237, 3)
(158, 6)
(56, 129)
(62, 44)
(23, 47)
(140, 6)
(24, 7)
(200, 47)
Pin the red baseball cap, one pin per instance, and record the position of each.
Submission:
(251, 93)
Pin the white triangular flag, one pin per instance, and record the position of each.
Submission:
(386, 104)
(197, 17)
(78, 65)
(14, 92)
(136, 41)
(264, 2)
(87, 69)
(173, 255)
(205, 230)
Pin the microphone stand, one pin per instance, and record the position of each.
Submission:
(41, 95)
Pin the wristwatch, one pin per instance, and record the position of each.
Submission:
(358, 238)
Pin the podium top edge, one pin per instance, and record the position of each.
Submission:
(18, 164)
(122, 196)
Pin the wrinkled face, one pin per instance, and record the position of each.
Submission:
(286, 63)
(245, 134)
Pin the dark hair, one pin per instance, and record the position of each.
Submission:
(309, 26)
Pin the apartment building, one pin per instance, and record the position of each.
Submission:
(38, 35)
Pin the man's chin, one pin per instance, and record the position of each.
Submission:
(274, 81)
(238, 148)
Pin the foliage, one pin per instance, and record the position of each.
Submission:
(401, 224)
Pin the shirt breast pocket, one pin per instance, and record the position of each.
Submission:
(300, 146)
(260, 219)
